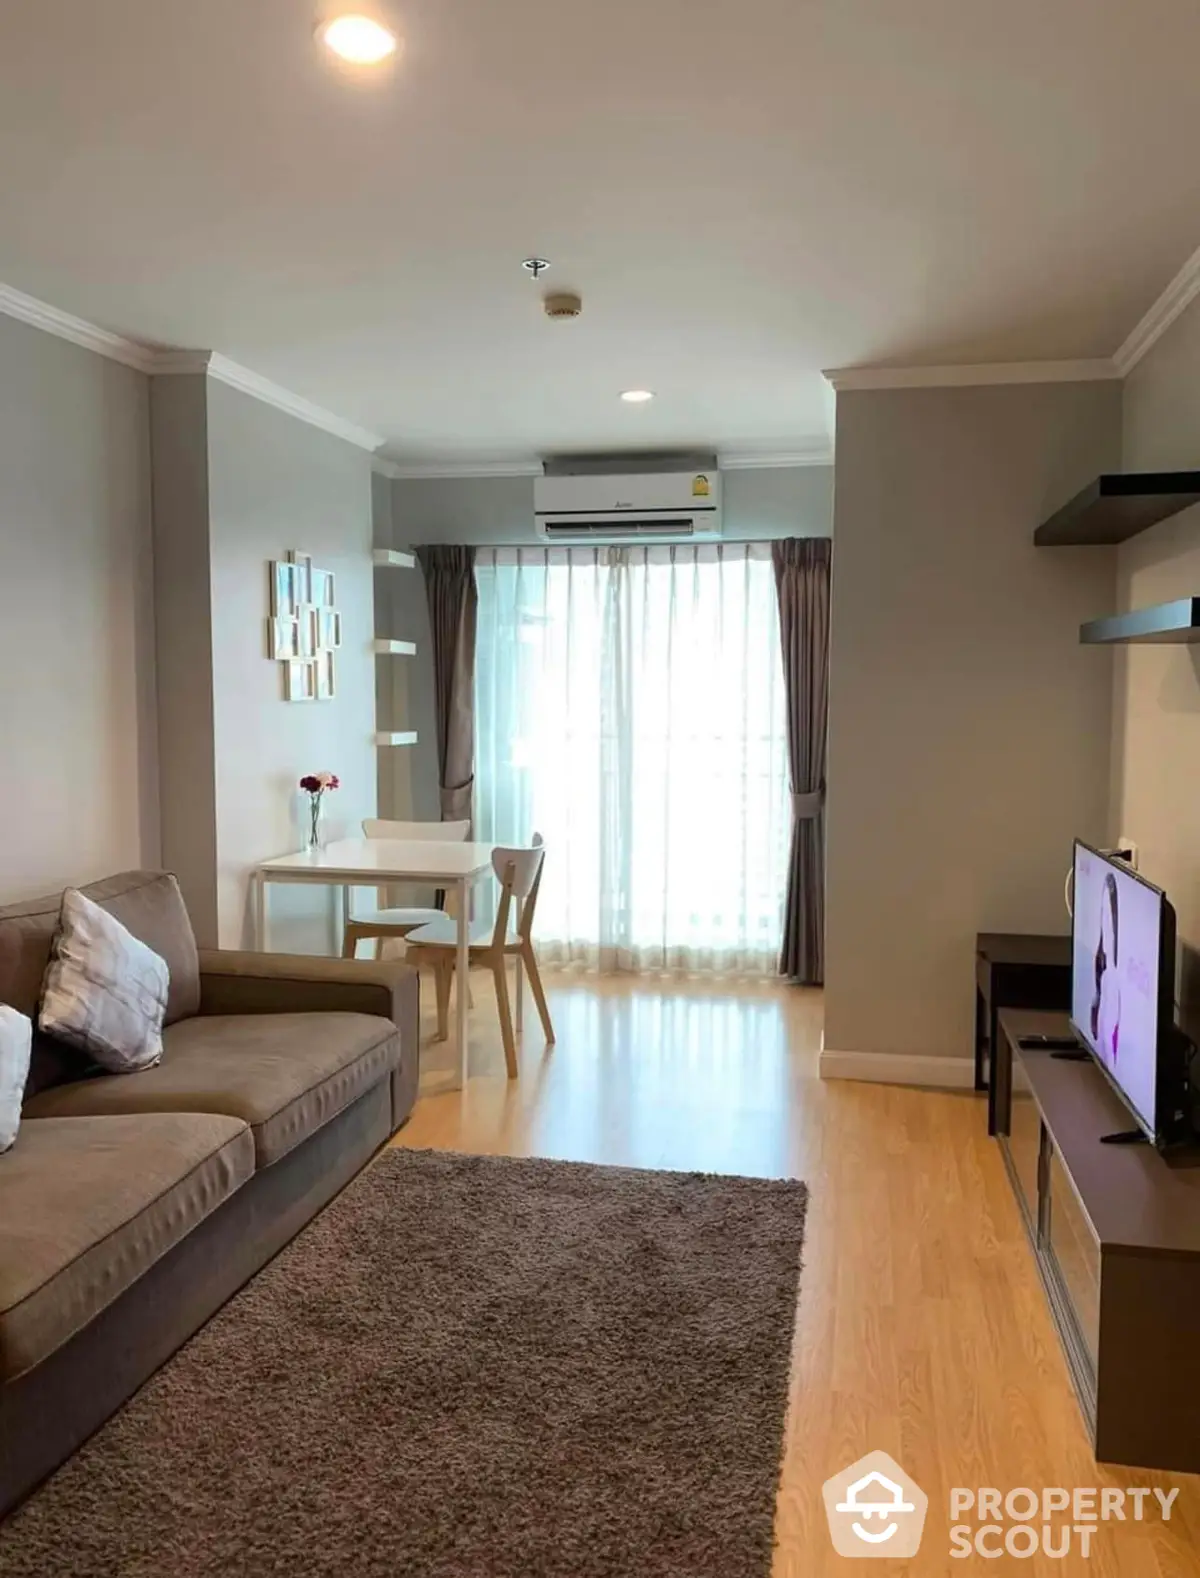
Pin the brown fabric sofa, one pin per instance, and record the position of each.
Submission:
(133, 1206)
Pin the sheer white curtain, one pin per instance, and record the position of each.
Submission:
(629, 706)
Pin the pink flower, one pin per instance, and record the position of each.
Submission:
(317, 783)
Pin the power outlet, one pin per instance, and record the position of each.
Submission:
(1129, 850)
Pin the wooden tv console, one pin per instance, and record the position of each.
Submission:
(1115, 1231)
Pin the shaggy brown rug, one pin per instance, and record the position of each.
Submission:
(467, 1367)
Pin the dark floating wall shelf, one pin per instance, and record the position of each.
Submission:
(1167, 622)
(1116, 507)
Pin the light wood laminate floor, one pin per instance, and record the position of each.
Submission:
(921, 1326)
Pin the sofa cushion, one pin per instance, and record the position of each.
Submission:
(89, 1204)
(284, 1074)
(105, 992)
(147, 903)
(16, 1037)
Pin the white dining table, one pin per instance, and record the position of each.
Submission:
(376, 862)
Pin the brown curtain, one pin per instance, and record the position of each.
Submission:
(450, 590)
(802, 581)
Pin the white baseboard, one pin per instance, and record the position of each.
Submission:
(894, 1068)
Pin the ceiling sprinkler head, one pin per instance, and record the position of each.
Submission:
(535, 267)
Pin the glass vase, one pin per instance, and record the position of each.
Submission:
(314, 822)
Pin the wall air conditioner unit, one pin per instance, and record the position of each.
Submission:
(629, 498)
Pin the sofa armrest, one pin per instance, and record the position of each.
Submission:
(281, 983)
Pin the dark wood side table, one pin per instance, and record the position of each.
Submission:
(1013, 971)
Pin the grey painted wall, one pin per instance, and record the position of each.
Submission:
(408, 779)
(274, 484)
(392, 774)
(77, 632)
(969, 730)
(479, 510)
(183, 602)
(1156, 689)
(238, 483)
(794, 501)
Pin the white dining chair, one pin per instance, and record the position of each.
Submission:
(435, 946)
(383, 923)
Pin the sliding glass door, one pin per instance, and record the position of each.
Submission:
(629, 707)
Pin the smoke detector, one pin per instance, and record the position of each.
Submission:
(562, 304)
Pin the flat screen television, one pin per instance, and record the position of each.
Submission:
(1123, 989)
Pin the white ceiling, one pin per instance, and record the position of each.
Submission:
(743, 193)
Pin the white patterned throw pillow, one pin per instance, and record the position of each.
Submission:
(105, 992)
(16, 1038)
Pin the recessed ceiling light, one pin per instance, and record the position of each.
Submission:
(359, 39)
(637, 396)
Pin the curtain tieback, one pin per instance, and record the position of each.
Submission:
(456, 801)
(807, 806)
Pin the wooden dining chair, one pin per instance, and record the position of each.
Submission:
(383, 923)
(435, 946)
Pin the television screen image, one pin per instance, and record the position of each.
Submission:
(1117, 940)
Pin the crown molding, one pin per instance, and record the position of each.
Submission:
(1179, 294)
(180, 363)
(448, 469)
(166, 361)
(1096, 369)
(173, 364)
(159, 361)
(251, 383)
(66, 326)
(817, 454)
(732, 460)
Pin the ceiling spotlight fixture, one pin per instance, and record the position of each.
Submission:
(637, 396)
(359, 39)
(535, 267)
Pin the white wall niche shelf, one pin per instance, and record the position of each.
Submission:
(393, 559)
(381, 646)
(406, 737)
